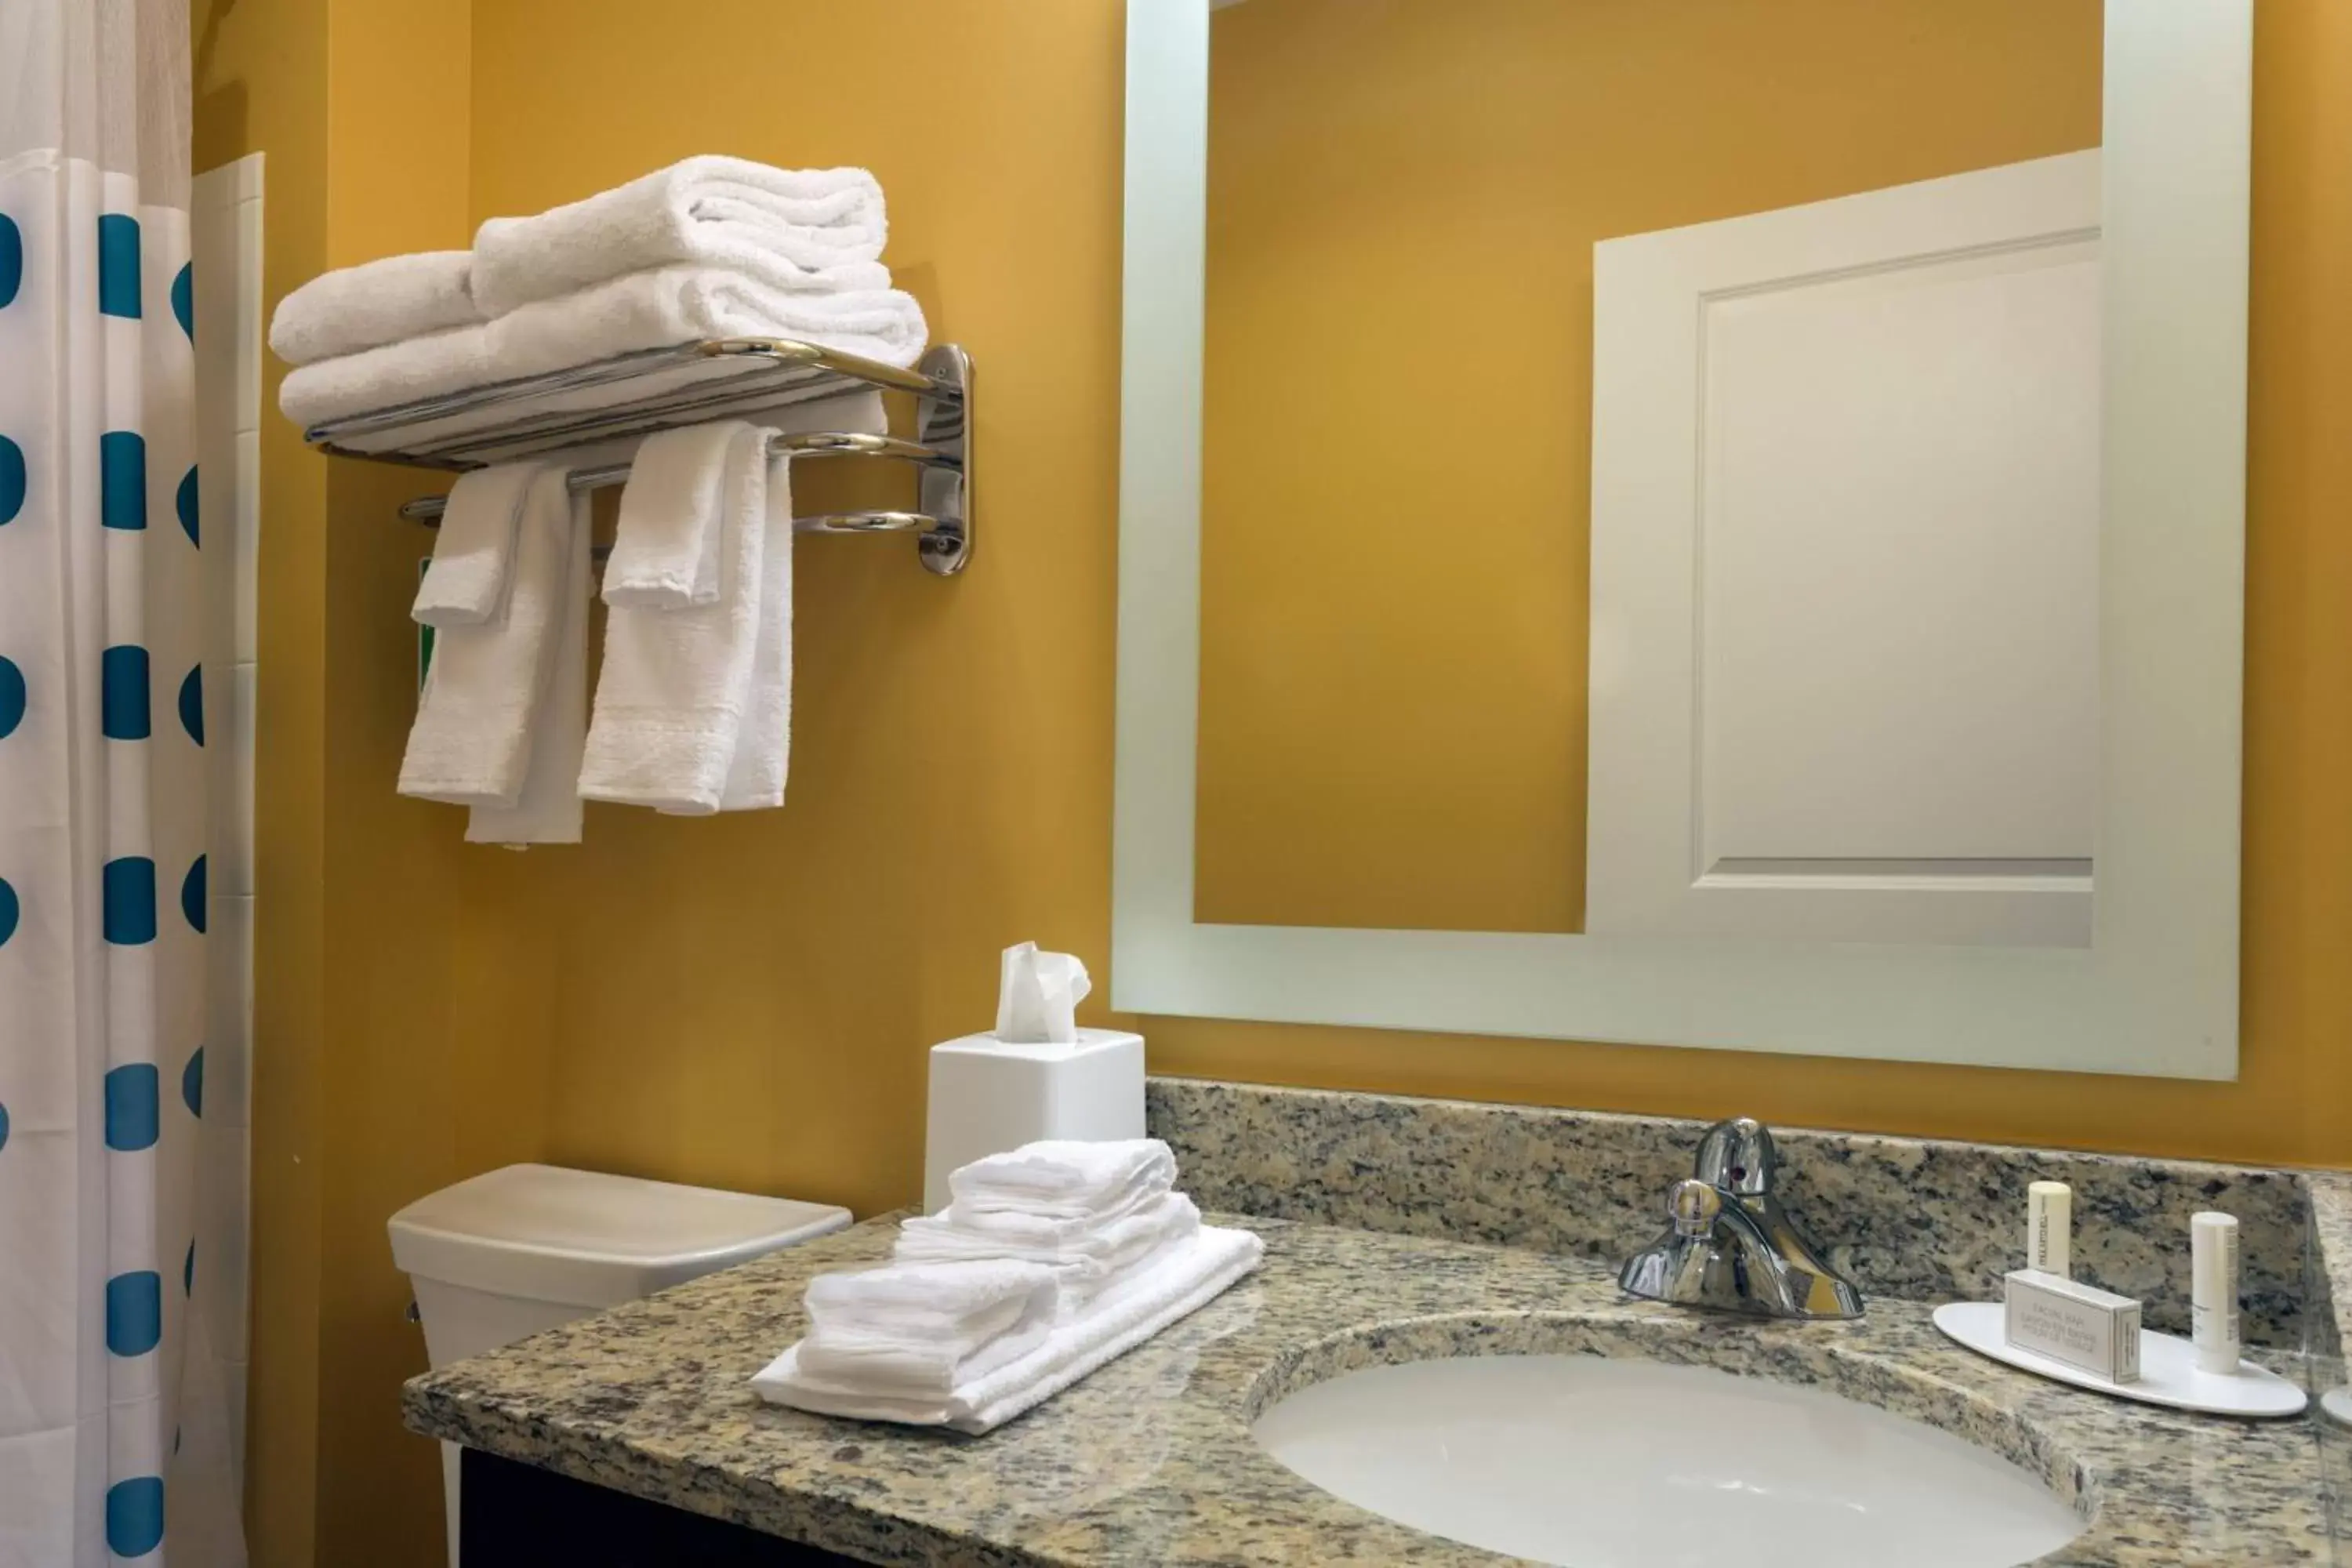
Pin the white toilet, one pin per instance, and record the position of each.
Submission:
(512, 1251)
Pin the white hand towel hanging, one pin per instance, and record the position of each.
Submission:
(548, 811)
(471, 741)
(666, 547)
(671, 695)
(755, 781)
(474, 549)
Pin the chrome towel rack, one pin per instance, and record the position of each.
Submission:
(596, 408)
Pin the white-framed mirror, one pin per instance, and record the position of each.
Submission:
(1746, 873)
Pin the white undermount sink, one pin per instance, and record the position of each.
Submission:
(1592, 1462)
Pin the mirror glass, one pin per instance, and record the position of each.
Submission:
(1657, 479)
(1898, 675)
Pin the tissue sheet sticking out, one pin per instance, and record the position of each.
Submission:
(1038, 995)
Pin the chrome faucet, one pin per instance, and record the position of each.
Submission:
(1731, 1245)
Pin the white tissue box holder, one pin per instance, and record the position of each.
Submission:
(988, 1097)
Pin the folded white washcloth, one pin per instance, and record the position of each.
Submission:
(547, 810)
(1087, 1257)
(639, 311)
(1066, 1179)
(471, 741)
(966, 1300)
(376, 303)
(898, 1366)
(755, 781)
(707, 210)
(671, 696)
(665, 546)
(916, 1330)
(465, 583)
(1190, 1274)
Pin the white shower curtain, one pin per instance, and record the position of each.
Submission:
(114, 1413)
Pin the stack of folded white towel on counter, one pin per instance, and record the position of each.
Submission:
(693, 704)
(709, 248)
(1051, 1261)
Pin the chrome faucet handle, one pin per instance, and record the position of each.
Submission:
(1729, 1243)
(1739, 1157)
(1693, 1205)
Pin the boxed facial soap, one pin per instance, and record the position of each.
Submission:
(2074, 1322)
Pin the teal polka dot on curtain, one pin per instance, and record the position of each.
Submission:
(134, 1312)
(12, 259)
(187, 1286)
(192, 1082)
(3, 1127)
(134, 1516)
(123, 480)
(192, 703)
(183, 501)
(12, 479)
(124, 710)
(183, 298)
(118, 265)
(133, 1107)
(8, 912)
(192, 896)
(128, 911)
(12, 697)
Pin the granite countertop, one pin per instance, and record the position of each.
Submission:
(1149, 1461)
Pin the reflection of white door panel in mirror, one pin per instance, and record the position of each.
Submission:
(1846, 567)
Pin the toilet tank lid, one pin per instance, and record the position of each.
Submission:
(588, 1238)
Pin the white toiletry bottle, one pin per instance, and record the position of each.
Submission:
(2050, 1228)
(2213, 1291)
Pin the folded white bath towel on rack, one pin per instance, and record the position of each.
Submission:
(473, 550)
(652, 309)
(1187, 1276)
(676, 683)
(376, 303)
(471, 741)
(707, 210)
(1066, 1178)
(548, 809)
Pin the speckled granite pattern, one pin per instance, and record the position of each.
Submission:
(1149, 1461)
(2329, 1291)
(1913, 1218)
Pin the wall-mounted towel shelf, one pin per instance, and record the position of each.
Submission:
(594, 413)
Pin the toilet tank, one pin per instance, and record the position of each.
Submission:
(525, 1247)
(509, 1252)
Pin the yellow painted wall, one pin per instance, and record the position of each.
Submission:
(382, 1066)
(746, 1001)
(1403, 199)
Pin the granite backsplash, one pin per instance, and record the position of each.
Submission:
(1921, 1220)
